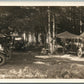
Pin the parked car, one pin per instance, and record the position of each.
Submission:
(19, 43)
(5, 50)
(75, 47)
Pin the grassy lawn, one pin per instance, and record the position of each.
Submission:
(28, 65)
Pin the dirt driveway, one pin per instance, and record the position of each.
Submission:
(32, 65)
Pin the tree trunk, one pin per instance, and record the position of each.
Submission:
(36, 35)
(53, 45)
(49, 33)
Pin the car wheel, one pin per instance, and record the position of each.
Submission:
(79, 53)
(2, 59)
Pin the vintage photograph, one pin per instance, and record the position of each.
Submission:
(41, 42)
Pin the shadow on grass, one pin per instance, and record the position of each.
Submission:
(24, 66)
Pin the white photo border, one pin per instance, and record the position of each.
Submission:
(41, 3)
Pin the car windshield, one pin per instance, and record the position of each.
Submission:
(18, 38)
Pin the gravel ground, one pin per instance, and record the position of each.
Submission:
(29, 64)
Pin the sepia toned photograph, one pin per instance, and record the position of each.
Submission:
(41, 42)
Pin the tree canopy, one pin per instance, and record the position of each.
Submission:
(36, 19)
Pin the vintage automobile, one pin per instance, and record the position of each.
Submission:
(72, 43)
(19, 43)
(75, 47)
(5, 50)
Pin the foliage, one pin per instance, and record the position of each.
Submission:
(35, 19)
